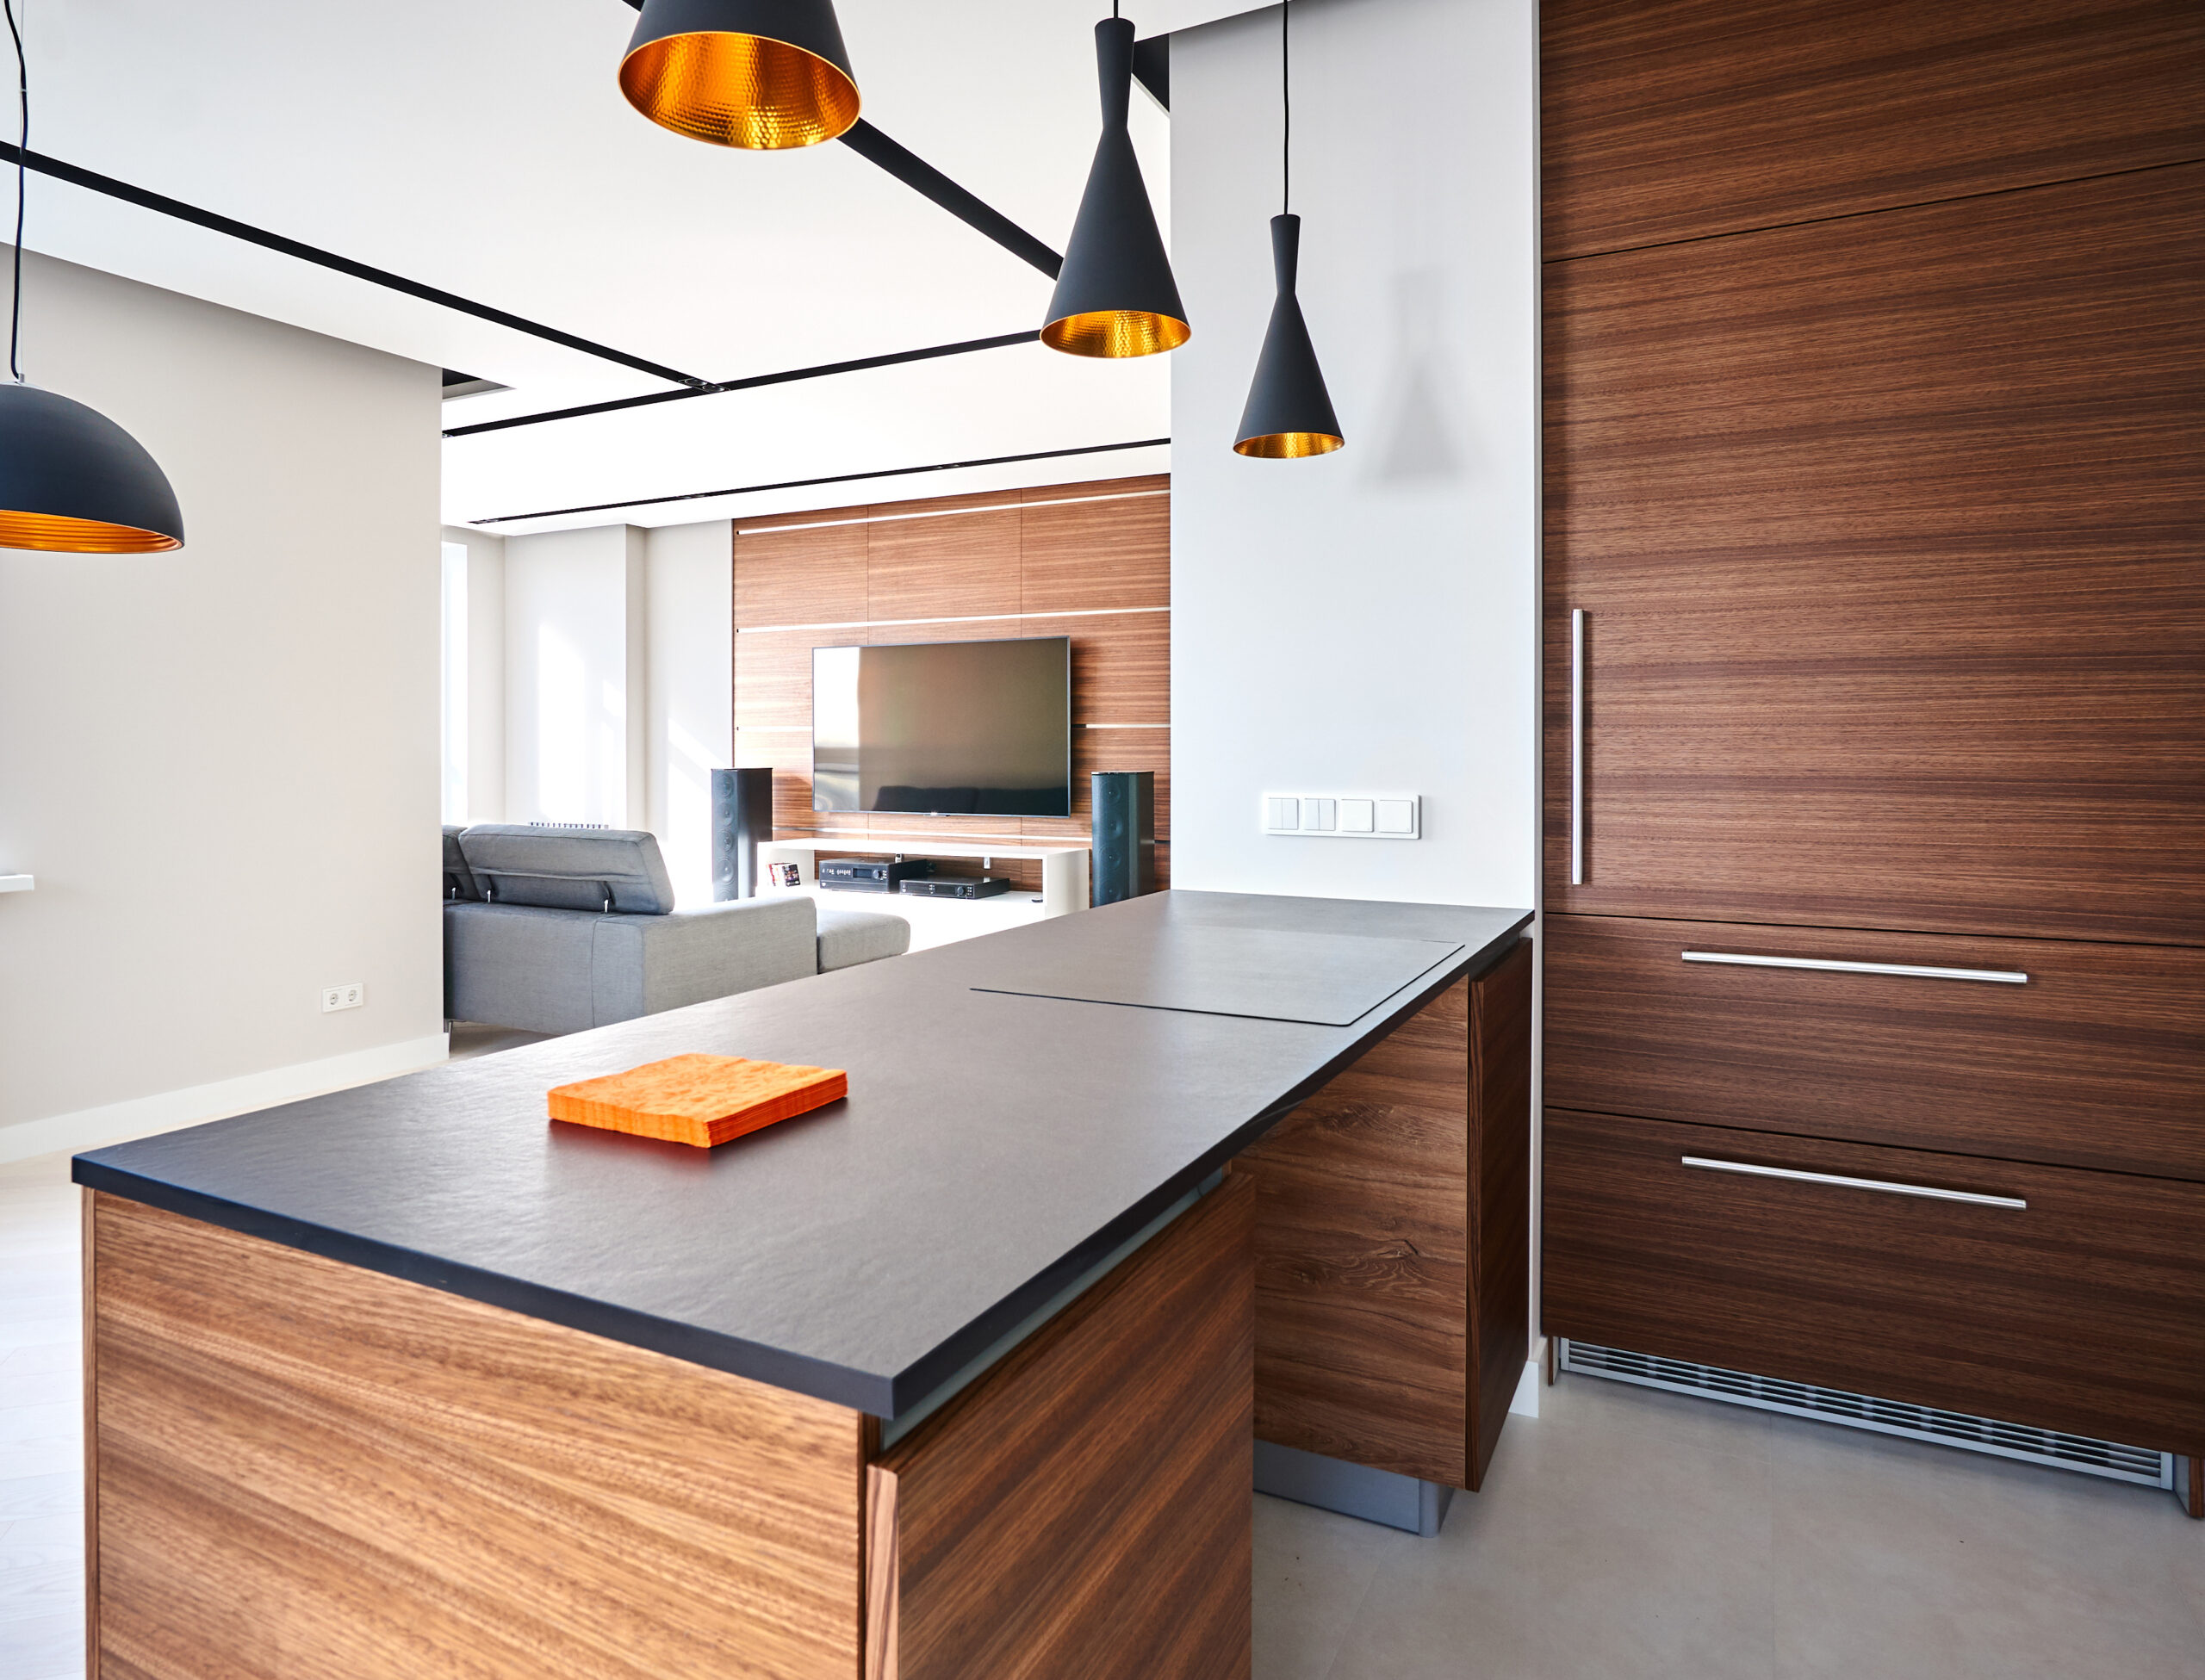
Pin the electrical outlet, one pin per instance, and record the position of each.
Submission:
(348, 996)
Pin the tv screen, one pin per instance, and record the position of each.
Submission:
(940, 729)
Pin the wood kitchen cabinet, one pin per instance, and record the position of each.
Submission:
(1886, 532)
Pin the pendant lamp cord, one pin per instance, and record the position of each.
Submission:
(22, 155)
(1286, 106)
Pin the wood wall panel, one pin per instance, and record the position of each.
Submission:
(1082, 566)
(813, 574)
(1108, 749)
(943, 567)
(2078, 1312)
(787, 754)
(1668, 120)
(307, 1469)
(1120, 666)
(1079, 557)
(1086, 1510)
(773, 676)
(1098, 486)
(1887, 533)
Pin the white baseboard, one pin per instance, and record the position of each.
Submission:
(1526, 1402)
(166, 1111)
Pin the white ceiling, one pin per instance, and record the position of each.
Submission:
(481, 147)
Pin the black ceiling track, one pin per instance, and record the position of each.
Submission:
(837, 478)
(1152, 65)
(235, 229)
(894, 358)
(924, 178)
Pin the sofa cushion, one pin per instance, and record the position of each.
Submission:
(459, 879)
(641, 965)
(847, 938)
(569, 869)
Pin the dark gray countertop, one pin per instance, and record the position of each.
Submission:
(993, 1147)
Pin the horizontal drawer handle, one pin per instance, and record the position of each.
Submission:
(1884, 1184)
(2002, 977)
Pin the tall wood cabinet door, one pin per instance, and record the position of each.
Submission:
(1888, 535)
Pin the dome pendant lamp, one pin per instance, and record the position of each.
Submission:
(71, 482)
(1289, 413)
(1116, 296)
(765, 74)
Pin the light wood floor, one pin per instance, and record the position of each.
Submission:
(1623, 1536)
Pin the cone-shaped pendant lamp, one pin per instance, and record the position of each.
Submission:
(1289, 413)
(765, 74)
(1116, 296)
(71, 482)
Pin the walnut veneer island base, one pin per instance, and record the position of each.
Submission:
(298, 1467)
(1393, 1242)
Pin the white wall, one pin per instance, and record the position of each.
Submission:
(486, 672)
(220, 764)
(574, 676)
(1366, 620)
(619, 669)
(690, 641)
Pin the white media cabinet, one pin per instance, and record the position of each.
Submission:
(1064, 867)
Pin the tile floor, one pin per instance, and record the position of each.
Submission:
(1625, 1534)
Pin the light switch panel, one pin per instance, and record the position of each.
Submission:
(1343, 815)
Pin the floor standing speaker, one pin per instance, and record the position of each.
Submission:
(1125, 835)
(742, 814)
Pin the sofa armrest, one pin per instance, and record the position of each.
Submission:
(511, 965)
(641, 965)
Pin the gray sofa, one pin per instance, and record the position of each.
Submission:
(554, 930)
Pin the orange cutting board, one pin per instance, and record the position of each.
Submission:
(699, 1100)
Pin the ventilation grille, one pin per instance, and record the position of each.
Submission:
(1864, 1412)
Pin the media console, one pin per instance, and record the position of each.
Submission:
(1063, 866)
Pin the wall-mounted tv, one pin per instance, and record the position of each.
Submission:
(941, 729)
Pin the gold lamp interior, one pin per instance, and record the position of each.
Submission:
(1116, 333)
(743, 91)
(50, 533)
(1288, 445)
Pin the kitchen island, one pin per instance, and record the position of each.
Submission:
(956, 1376)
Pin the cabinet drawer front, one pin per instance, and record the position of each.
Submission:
(2082, 1308)
(2096, 1058)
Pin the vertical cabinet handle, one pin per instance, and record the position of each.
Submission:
(1577, 747)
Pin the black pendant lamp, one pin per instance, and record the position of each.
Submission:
(71, 482)
(765, 74)
(1116, 296)
(1289, 413)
